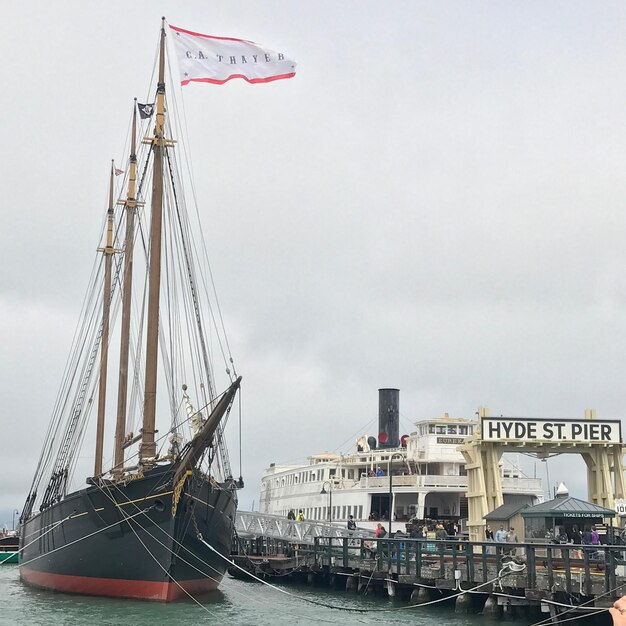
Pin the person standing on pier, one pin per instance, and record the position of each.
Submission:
(577, 540)
(489, 537)
(511, 537)
(595, 537)
(351, 523)
(501, 535)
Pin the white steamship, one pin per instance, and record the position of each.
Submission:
(428, 477)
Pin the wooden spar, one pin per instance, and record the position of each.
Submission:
(196, 447)
(104, 351)
(147, 449)
(122, 387)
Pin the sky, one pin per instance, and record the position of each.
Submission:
(434, 203)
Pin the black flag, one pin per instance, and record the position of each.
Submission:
(145, 110)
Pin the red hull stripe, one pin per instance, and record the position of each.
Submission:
(116, 587)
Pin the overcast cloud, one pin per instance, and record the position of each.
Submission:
(434, 203)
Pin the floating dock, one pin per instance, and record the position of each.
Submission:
(8, 557)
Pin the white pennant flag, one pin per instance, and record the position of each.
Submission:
(208, 59)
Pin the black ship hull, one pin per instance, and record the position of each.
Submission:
(142, 539)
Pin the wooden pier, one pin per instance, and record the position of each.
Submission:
(499, 579)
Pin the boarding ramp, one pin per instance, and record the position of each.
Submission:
(252, 524)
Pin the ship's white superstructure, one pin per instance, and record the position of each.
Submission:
(420, 476)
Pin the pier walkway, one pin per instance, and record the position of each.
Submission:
(252, 524)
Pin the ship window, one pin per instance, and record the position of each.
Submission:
(441, 430)
(463, 430)
(360, 516)
(431, 429)
(433, 469)
(331, 472)
(451, 430)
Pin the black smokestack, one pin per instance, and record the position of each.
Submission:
(388, 418)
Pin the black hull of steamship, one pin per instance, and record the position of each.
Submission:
(137, 540)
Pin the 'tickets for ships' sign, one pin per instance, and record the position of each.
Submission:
(521, 429)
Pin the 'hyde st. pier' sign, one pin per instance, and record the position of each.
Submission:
(518, 429)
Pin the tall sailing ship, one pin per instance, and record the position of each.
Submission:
(154, 522)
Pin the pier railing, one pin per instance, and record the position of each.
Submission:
(252, 524)
(585, 570)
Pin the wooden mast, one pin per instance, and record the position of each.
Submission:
(122, 388)
(104, 352)
(147, 449)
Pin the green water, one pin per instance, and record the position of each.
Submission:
(236, 604)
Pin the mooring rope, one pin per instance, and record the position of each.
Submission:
(501, 574)
(577, 607)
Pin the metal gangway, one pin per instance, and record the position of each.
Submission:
(252, 524)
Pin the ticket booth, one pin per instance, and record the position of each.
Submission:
(543, 522)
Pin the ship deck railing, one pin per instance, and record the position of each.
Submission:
(434, 481)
